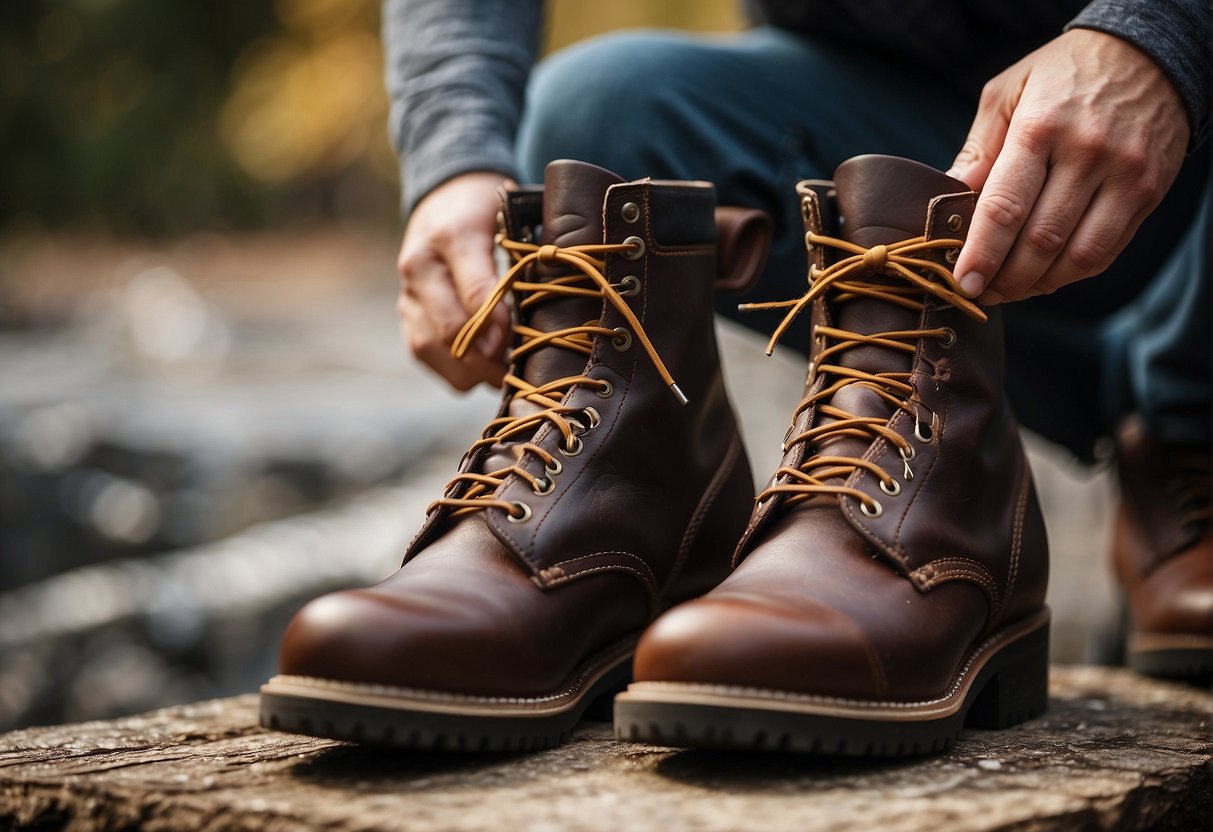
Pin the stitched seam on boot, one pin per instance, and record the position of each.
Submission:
(880, 680)
(563, 572)
(1017, 530)
(919, 359)
(894, 549)
(592, 361)
(723, 472)
(931, 575)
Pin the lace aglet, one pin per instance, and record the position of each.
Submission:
(678, 394)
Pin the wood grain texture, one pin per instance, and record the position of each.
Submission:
(1114, 751)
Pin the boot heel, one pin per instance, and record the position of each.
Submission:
(1019, 687)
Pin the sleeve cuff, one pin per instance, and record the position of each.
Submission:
(423, 171)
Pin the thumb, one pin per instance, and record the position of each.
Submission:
(986, 138)
(475, 274)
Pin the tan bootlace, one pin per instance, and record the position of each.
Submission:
(844, 279)
(591, 283)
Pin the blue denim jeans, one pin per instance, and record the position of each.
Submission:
(758, 111)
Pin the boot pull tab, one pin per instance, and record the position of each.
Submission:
(743, 238)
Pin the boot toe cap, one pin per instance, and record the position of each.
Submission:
(745, 642)
(350, 636)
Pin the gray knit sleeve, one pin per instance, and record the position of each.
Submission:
(1176, 33)
(456, 75)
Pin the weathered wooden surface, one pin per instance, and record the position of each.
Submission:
(1114, 751)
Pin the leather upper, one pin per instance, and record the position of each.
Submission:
(644, 515)
(826, 599)
(1164, 558)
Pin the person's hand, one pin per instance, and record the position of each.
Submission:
(1072, 147)
(446, 270)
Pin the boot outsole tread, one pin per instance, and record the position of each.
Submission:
(1194, 666)
(419, 730)
(1010, 689)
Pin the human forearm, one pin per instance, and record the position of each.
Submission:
(456, 74)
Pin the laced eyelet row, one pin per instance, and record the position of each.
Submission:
(572, 447)
(588, 264)
(859, 273)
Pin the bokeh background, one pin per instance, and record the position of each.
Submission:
(206, 413)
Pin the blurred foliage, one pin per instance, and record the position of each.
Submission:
(164, 116)
(159, 117)
(108, 111)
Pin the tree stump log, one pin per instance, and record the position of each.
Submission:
(1114, 751)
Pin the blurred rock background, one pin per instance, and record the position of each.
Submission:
(206, 413)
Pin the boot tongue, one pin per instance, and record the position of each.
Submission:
(573, 194)
(882, 200)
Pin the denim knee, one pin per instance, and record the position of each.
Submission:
(602, 101)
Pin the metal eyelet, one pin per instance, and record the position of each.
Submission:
(875, 511)
(951, 255)
(554, 469)
(892, 490)
(606, 390)
(806, 209)
(543, 485)
(637, 251)
(955, 222)
(630, 212)
(949, 338)
(907, 453)
(573, 447)
(919, 428)
(622, 339)
(595, 417)
(522, 517)
(808, 243)
(632, 284)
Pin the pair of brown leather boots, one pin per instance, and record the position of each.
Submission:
(886, 588)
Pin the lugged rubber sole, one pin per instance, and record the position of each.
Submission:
(423, 720)
(1181, 657)
(1003, 682)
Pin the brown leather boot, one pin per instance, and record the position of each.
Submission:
(601, 494)
(1163, 553)
(890, 585)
